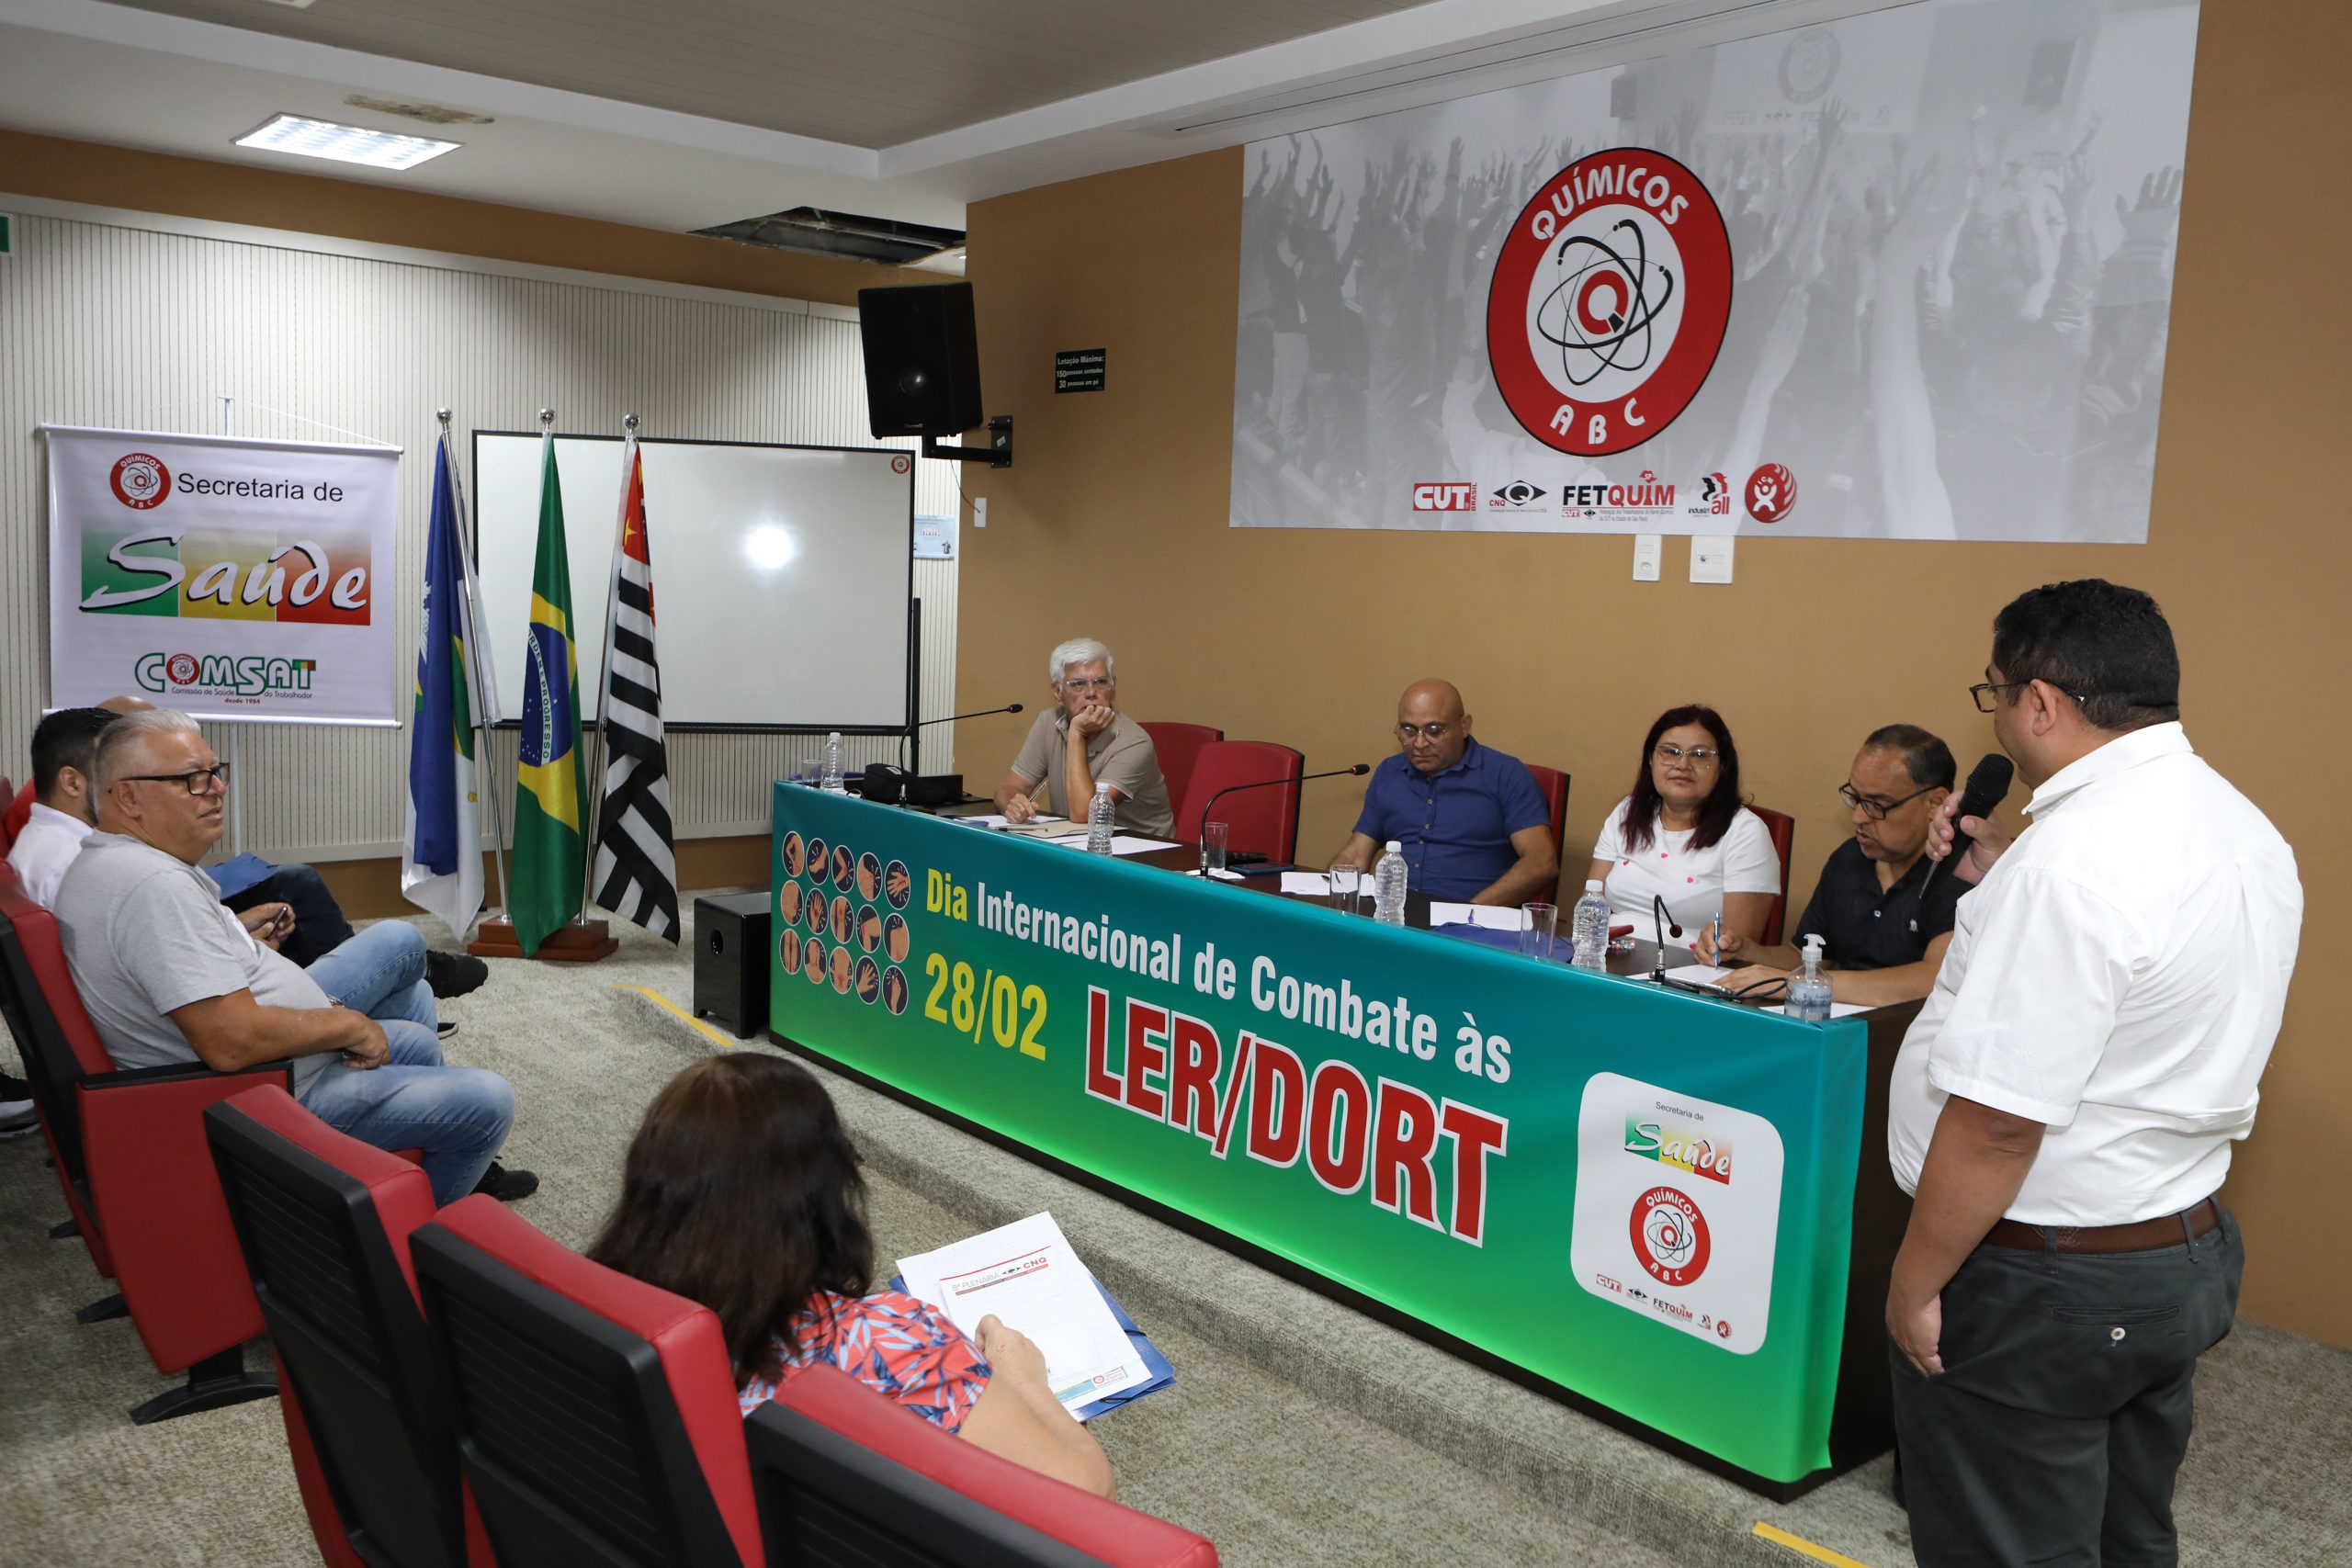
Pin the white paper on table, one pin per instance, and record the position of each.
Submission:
(1313, 883)
(1485, 917)
(1708, 974)
(1219, 876)
(996, 819)
(1028, 1274)
(1121, 843)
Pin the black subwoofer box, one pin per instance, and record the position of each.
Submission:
(731, 961)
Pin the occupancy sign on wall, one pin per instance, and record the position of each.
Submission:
(232, 579)
(1906, 273)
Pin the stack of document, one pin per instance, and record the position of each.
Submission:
(1026, 1274)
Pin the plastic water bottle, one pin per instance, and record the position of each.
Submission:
(833, 779)
(1100, 828)
(1388, 879)
(1809, 992)
(1588, 931)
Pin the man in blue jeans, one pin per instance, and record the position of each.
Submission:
(169, 976)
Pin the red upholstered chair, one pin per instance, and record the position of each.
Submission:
(324, 1221)
(845, 1475)
(1555, 785)
(596, 1414)
(130, 1154)
(1262, 820)
(1179, 748)
(19, 812)
(1783, 829)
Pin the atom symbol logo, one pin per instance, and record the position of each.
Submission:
(1618, 297)
(140, 481)
(1670, 1235)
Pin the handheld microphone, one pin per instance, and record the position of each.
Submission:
(1662, 923)
(1988, 785)
(1245, 856)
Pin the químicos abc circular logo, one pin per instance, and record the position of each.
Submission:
(1609, 301)
(140, 481)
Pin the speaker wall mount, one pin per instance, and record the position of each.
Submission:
(997, 454)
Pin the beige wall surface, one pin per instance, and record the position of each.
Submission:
(1112, 522)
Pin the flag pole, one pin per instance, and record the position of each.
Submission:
(604, 664)
(479, 675)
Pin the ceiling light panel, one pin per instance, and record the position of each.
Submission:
(345, 143)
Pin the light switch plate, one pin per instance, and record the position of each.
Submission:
(1711, 558)
(1649, 554)
(980, 512)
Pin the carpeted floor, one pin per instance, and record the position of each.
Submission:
(1297, 1433)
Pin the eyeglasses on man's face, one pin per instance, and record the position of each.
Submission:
(1087, 683)
(199, 781)
(1987, 698)
(1875, 810)
(1697, 756)
(1434, 732)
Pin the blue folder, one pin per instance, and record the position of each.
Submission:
(1161, 1373)
(239, 874)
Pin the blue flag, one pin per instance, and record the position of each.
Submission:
(441, 860)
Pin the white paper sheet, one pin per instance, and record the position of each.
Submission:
(1312, 883)
(1028, 1274)
(1218, 875)
(1121, 843)
(1485, 917)
(1707, 975)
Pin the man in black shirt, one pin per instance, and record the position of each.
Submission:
(1881, 946)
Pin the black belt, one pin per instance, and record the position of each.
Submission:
(2140, 1236)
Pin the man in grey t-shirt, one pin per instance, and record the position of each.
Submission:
(1084, 740)
(169, 976)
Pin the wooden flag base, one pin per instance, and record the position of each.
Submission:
(583, 942)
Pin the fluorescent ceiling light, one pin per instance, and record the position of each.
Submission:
(345, 143)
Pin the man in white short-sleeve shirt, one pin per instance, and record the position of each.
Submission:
(2064, 1107)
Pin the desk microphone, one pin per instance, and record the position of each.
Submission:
(982, 713)
(1988, 785)
(1661, 923)
(1245, 856)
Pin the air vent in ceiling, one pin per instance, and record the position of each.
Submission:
(431, 114)
(818, 233)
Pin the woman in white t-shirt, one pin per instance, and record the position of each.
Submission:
(1683, 836)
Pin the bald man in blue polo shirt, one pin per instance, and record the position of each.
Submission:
(1474, 826)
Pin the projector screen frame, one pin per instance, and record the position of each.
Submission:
(589, 721)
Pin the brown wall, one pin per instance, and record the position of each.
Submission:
(348, 209)
(1112, 522)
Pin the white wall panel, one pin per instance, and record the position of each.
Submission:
(117, 324)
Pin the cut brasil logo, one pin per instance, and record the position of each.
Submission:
(1609, 301)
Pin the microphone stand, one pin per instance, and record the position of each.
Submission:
(925, 724)
(1661, 922)
(1353, 769)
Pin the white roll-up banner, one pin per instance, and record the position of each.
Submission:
(231, 579)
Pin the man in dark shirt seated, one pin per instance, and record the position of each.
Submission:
(1882, 946)
(1473, 825)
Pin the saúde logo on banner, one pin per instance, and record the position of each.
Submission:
(1667, 1224)
(1609, 301)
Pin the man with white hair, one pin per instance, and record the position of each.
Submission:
(1082, 741)
(169, 976)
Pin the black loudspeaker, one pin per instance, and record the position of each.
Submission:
(731, 961)
(922, 360)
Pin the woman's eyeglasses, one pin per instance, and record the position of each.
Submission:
(1697, 756)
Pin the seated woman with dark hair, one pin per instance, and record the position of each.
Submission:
(742, 1192)
(1685, 836)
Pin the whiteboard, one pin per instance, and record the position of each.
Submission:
(780, 574)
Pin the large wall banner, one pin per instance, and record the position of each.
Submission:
(1908, 274)
(1642, 1197)
(232, 579)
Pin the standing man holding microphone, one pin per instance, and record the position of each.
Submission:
(2063, 1108)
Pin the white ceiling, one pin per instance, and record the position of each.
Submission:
(692, 113)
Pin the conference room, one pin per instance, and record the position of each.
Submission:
(663, 523)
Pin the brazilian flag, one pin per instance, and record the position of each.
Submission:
(550, 804)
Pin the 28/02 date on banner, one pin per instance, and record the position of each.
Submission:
(995, 1004)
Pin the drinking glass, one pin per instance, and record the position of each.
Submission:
(1346, 881)
(1538, 923)
(1214, 841)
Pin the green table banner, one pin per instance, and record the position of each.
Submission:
(1642, 1197)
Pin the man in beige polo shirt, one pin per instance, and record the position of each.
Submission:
(1083, 739)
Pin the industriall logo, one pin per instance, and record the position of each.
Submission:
(1608, 303)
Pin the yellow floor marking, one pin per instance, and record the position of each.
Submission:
(668, 1006)
(1799, 1543)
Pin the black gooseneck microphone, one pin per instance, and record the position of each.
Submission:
(1267, 784)
(1662, 921)
(927, 723)
(1988, 785)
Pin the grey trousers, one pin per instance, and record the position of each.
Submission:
(2052, 1435)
